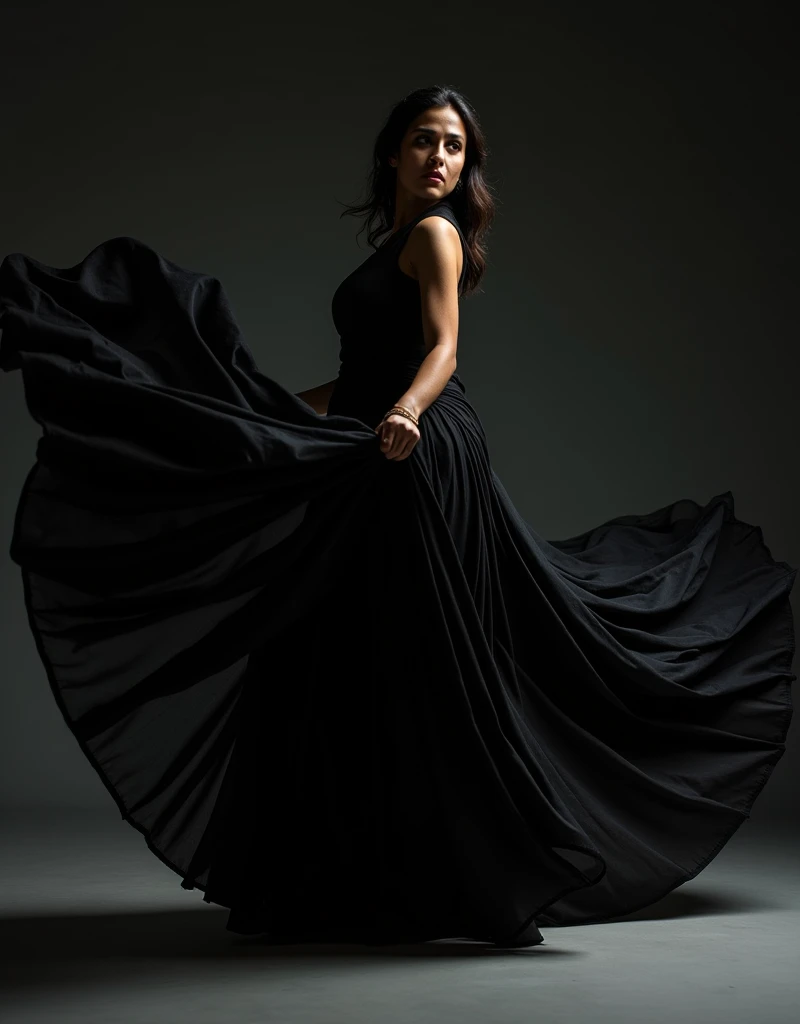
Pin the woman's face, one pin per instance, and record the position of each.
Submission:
(434, 142)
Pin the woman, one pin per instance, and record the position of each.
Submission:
(320, 661)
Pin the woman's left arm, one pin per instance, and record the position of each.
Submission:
(434, 251)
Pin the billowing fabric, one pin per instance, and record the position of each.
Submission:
(351, 698)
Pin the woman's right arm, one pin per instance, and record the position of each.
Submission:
(319, 396)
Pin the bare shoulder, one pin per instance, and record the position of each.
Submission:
(435, 241)
(436, 231)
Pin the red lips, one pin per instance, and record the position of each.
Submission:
(433, 174)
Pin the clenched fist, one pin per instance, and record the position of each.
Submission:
(398, 435)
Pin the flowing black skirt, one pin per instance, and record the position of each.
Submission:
(356, 699)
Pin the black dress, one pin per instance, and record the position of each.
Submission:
(358, 699)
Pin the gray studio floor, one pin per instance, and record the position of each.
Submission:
(96, 929)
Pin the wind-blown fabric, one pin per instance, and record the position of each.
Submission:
(349, 697)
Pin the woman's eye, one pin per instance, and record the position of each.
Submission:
(426, 139)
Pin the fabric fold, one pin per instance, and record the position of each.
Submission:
(350, 697)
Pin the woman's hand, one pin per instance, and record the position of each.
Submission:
(398, 436)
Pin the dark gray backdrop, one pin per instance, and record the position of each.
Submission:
(633, 343)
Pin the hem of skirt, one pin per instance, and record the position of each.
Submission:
(525, 935)
(516, 938)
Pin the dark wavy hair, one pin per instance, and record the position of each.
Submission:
(473, 203)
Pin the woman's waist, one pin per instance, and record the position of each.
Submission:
(367, 391)
(384, 370)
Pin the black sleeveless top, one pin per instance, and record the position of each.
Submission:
(377, 311)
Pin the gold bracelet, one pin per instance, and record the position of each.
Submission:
(402, 411)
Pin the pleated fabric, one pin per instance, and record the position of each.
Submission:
(356, 699)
